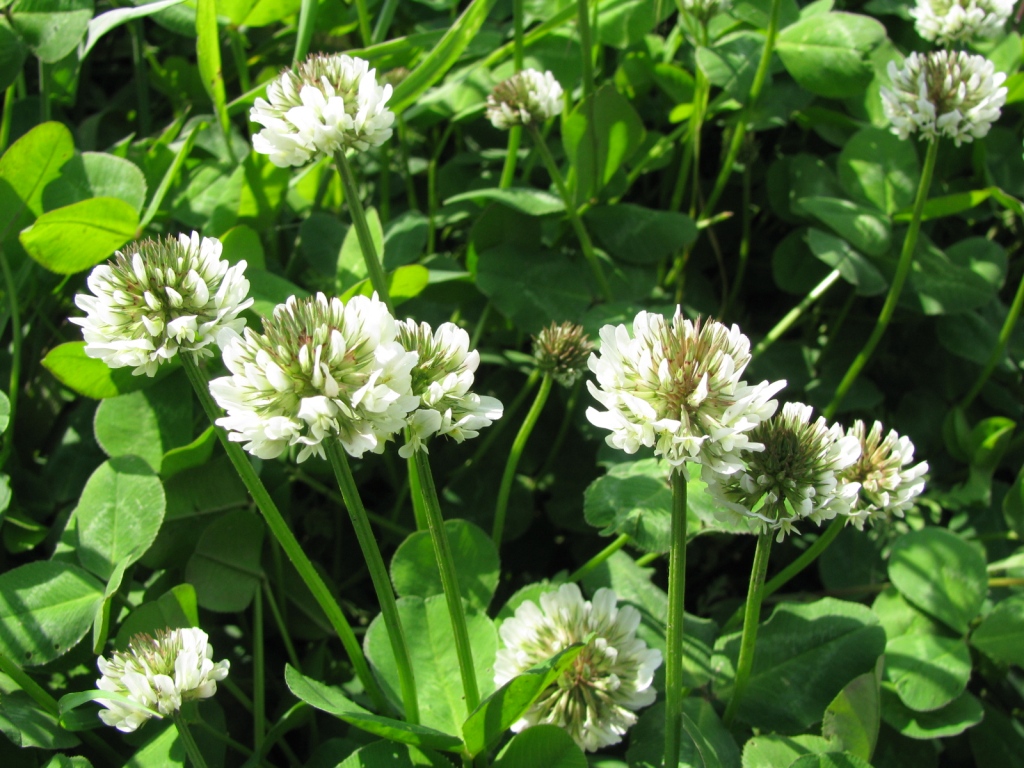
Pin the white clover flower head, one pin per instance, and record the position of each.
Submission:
(442, 379)
(329, 103)
(948, 22)
(677, 387)
(527, 97)
(158, 674)
(562, 349)
(157, 297)
(705, 9)
(596, 698)
(888, 484)
(796, 477)
(320, 369)
(944, 93)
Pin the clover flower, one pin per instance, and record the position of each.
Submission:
(441, 379)
(677, 388)
(562, 350)
(796, 476)
(320, 369)
(956, 21)
(157, 674)
(705, 9)
(157, 297)
(327, 104)
(944, 93)
(888, 486)
(596, 698)
(527, 97)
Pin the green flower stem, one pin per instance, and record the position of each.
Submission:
(384, 19)
(5, 117)
(563, 429)
(12, 394)
(515, 135)
(226, 740)
(259, 681)
(378, 574)
(364, 23)
(586, 46)
(373, 266)
(237, 43)
(1000, 348)
(185, 734)
(282, 626)
(509, 476)
(284, 536)
(570, 210)
(751, 615)
(892, 298)
(795, 313)
(647, 559)
(419, 510)
(449, 581)
(385, 184)
(741, 127)
(674, 629)
(599, 558)
(141, 77)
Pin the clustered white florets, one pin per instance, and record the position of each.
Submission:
(795, 478)
(888, 484)
(677, 387)
(596, 698)
(157, 297)
(953, 21)
(329, 103)
(157, 674)
(441, 379)
(526, 97)
(944, 93)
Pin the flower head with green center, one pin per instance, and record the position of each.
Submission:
(562, 350)
(677, 387)
(796, 476)
(944, 93)
(526, 97)
(442, 379)
(327, 104)
(157, 297)
(596, 698)
(706, 9)
(957, 21)
(888, 485)
(320, 369)
(158, 674)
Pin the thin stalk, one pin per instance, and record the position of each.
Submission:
(259, 681)
(185, 734)
(509, 476)
(892, 298)
(647, 559)
(449, 581)
(284, 536)
(6, 116)
(1000, 348)
(45, 113)
(378, 574)
(419, 511)
(141, 75)
(599, 558)
(570, 210)
(702, 91)
(366, 244)
(365, 34)
(384, 184)
(751, 615)
(586, 46)
(16, 343)
(237, 44)
(223, 738)
(481, 323)
(744, 253)
(563, 429)
(282, 626)
(403, 148)
(304, 34)
(515, 135)
(674, 629)
(384, 18)
(795, 313)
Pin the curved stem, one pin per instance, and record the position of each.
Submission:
(892, 298)
(14, 386)
(366, 244)
(284, 536)
(449, 581)
(674, 627)
(508, 170)
(191, 748)
(378, 574)
(795, 313)
(505, 490)
(570, 210)
(1000, 347)
(599, 558)
(751, 615)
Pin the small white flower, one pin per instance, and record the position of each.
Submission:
(157, 297)
(956, 21)
(795, 477)
(158, 674)
(526, 97)
(677, 388)
(596, 698)
(944, 93)
(442, 379)
(888, 486)
(329, 103)
(320, 369)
